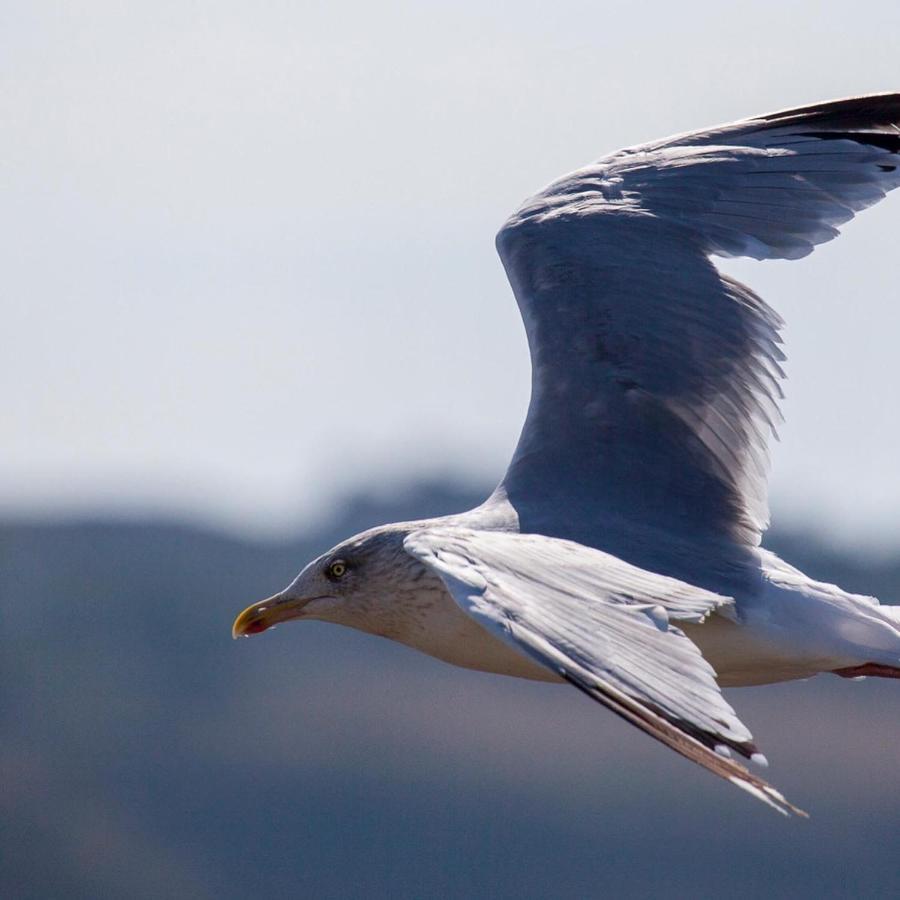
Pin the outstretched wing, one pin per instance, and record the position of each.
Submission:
(606, 627)
(656, 378)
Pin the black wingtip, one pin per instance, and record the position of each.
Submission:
(848, 113)
(886, 140)
(685, 743)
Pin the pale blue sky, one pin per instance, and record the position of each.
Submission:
(248, 252)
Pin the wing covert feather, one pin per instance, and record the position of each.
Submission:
(606, 627)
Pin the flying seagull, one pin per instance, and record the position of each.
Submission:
(621, 551)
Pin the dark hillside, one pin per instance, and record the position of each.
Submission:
(145, 754)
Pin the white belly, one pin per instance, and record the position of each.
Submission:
(744, 656)
(447, 633)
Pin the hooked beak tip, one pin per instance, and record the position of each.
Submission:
(254, 619)
(267, 614)
(250, 621)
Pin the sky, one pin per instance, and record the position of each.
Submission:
(247, 249)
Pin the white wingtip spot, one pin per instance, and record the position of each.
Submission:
(722, 750)
(660, 618)
(760, 760)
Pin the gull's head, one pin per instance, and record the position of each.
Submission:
(357, 583)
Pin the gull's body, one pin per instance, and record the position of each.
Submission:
(621, 551)
(781, 626)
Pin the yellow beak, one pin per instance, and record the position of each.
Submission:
(257, 618)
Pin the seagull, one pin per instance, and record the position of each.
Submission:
(621, 552)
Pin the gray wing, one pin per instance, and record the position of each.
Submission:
(655, 378)
(606, 627)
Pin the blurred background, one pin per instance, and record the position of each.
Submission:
(251, 305)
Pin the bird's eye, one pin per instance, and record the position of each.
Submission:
(337, 569)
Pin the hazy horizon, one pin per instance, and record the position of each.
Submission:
(249, 256)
